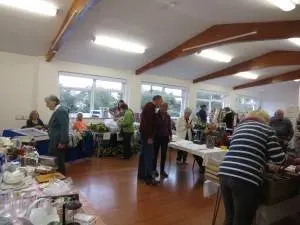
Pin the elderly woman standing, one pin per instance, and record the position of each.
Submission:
(253, 144)
(184, 128)
(58, 130)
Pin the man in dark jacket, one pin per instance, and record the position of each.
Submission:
(202, 114)
(147, 131)
(228, 118)
(58, 129)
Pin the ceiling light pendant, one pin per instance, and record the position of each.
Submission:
(35, 6)
(215, 55)
(118, 44)
(284, 5)
(295, 41)
(247, 75)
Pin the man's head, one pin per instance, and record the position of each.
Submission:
(123, 107)
(157, 100)
(187, 113)
(52, 101)
(203, 107)
(279, 114)
(227, 109)
(120, 103)
(164, 107)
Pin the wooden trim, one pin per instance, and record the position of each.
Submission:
(275, 58)
(211, 38)
(271, 80)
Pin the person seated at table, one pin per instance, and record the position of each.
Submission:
(126, 124)
(79, 125)
(184, 128)
(163, 136)
(253, 144)
(34, 121)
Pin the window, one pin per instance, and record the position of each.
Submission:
(91, 95)
(174, 96)
(212, 100)
(247, 104)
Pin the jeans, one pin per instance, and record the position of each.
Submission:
(161, 143)
(127, 145)
(241, 200)
(146, 161)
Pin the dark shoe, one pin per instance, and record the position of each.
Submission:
(152, 182)
(155, 174)
(163, 174)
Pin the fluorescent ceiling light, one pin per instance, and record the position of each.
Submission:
(297, 80)
(247, 75)
(215, 55)
(119, 44)
(34, 6)
(295, 41)
(284, 5)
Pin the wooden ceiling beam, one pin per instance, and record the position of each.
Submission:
(275, 58)
(76, 12)
(294, 75)
(228, 33)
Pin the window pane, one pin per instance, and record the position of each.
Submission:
(157, 88)
(146, 87)
(175, 105)
(217, 97)
(175, 92)
(109, 85)
(106, 99)
(203, 95)
(216, 105)
(75, 82)
(76, 100)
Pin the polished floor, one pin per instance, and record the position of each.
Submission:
(111, 186)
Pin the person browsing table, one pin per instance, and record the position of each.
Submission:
(58, 130)
(163, 135)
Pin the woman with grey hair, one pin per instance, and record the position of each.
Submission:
(184, 128)
(58, 129)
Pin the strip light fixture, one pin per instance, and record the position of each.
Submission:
(119, 44)
(35, 6)
(295, 41)
(247, 75)
(285, 5)
(215, 55)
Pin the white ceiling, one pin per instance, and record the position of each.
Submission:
(153, 23)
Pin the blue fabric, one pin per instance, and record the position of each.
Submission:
(146, 161)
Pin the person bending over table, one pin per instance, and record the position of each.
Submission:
(79, 125)
(184, 128)
(126, 124)
(163, 135)
(34, 121)
(58, 130)
(252, 145)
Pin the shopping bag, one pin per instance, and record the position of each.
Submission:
(210, 188)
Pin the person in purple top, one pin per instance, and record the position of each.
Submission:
(163, 135)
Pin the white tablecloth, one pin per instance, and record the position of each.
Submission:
(209, 155)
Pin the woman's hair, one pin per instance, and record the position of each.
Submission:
(53, 98)
(124, 106)
(259, 114)
(79, 114)
(32, 113)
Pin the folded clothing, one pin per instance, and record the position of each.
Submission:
(85, 219)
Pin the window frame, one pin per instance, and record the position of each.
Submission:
(184, 95)
(256, 100)
(211, 99)
(92, 89)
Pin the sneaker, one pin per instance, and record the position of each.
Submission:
(163, 174)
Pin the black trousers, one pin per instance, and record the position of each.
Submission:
(199, 160)
(127, 145)
(241, 200)
(161, 143)
(145, 169)
(181, 155)
(60, 159)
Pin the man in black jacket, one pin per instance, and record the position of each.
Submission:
(202, 114)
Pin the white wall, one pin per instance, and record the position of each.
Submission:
(26, 81)
(280, 96)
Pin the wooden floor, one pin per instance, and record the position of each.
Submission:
(110, 184)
